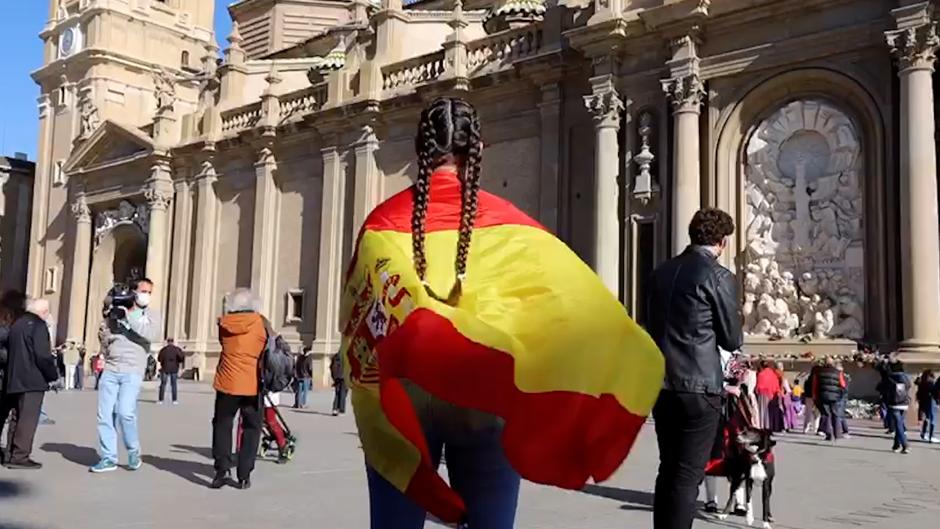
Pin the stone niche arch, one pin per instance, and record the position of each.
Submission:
(119, 255)
(823, 129)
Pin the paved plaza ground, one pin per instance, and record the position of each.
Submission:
(857, 484)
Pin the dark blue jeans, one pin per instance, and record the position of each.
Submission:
(476, 466)
(301, 390)
(930, 419)
(173, 381)
(900, 428)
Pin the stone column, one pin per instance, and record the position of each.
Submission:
(40, 209)
(264, 241)
(205, 235)
(368, 179)
(159, 195)
(81, 268)
(331, 265)
(914, 48)
(686, 95)
(179, 273)
(606, 106)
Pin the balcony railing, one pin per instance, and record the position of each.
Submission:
(413, 72)
(502, 49)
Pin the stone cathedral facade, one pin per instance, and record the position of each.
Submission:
(610, 121)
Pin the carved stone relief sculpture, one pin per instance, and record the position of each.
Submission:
(804, 255)
(125, 213)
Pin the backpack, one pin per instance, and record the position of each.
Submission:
(897, 391)
(277, 364)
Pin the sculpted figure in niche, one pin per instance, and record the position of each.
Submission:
(824, 320)
(850, 316)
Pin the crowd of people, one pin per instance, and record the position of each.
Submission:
(30, 366)
(694, 313)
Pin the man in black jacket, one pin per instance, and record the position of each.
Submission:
(693, 310)
(31, 367)
(170, 357)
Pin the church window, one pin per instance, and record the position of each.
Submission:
(51, 280)
(58, 174)
(295, 306)
(184, 59)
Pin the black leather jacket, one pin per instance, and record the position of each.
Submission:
(692, 311)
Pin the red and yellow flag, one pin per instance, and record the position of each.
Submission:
(535, 338)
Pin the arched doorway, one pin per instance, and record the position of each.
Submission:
(119, 256)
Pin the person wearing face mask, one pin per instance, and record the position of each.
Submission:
(30, 369)
(132, 330)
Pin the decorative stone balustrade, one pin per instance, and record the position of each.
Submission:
(413, 72)
(241, 118)
(297, 104)
(502, 49)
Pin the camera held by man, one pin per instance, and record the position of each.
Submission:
(122, 299)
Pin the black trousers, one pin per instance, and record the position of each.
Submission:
(23, 431)
(685, 430)
(339, 396)
(226, 406)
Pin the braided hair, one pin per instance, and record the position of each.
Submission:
(448, 132)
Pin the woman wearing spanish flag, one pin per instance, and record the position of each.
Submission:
(470, 330)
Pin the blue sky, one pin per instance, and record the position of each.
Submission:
(22, 53)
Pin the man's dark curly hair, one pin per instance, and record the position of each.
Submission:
(709, 226)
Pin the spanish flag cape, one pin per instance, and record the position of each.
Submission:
(535, 338)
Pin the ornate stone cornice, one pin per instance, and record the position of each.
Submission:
(914, 48)
(606, 107)
(158, 198)
(685, 92)
(80, 209)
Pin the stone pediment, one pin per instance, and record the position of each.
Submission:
(111, 143)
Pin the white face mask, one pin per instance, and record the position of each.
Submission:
(143, 299)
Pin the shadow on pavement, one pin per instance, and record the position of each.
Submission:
(11, 489)
(192, 471)
(634, 499)
(201, 451)
(310, 412)
(80, 455)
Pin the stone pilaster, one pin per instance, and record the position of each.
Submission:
(159, 195)
(80, 265)
(550, 158)
(914, 47)
(332, 260)
(264, 241)
(368, 178)
(40, 210)
(205, 237)
(606, 107)
(181, 245)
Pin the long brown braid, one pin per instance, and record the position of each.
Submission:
(449, 130)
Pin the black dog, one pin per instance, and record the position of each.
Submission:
(751, 461)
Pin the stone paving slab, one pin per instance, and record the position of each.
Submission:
(856, 484)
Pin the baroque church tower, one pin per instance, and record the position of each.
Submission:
(104, 61)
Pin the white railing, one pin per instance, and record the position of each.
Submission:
(504, 48)
(241, 118)
(413, 72)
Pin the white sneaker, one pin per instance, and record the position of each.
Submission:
(933, 440)
(159, 403)
(176, 402)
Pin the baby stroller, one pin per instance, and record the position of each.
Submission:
(277, 441)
